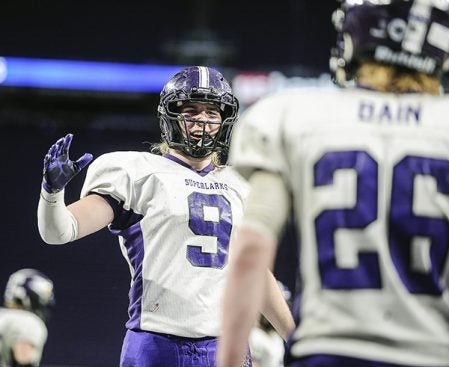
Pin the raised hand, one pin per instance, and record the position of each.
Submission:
(58, 168)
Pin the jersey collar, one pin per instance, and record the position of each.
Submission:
(210, 167)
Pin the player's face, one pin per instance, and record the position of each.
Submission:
(200, 118)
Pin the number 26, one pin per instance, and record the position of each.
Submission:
(403, 224)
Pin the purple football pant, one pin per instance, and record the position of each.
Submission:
(147, 349)
(323, 360)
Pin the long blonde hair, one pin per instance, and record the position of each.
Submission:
(391, 79)
(163, 148)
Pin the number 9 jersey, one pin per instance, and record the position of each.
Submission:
(174, 227)
(369, 178)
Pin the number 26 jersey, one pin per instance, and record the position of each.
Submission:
(369, 178)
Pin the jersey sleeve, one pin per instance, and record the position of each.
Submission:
(257, 141)
(108, 176)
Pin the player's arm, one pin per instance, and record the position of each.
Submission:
(255, 250)
(92, 213)
(275, 308)
(59, 224)
(24, 353)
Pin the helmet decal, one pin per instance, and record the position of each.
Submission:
(412, 34)
(203, 76)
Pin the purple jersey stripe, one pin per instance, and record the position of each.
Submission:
(133, 242)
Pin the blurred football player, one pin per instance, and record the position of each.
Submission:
(366, 172)
(174, 214)
(28, 300)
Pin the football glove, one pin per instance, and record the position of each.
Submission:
(58, 168)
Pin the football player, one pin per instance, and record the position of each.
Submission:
(28, 300)
(365, 171)
(174, 214)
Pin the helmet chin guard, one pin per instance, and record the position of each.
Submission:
(411, 34)
(197, 84)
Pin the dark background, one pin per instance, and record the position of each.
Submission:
(251, 34)
(91, 277)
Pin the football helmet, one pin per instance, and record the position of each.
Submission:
(30, 290)
(413, 34)
(196, 84)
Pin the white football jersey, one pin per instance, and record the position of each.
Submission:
(369, 177)
(174, 230)
(19, 325)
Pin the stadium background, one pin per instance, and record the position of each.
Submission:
(260, 46)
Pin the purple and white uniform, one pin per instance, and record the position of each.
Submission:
(174, 227)
(369, 176)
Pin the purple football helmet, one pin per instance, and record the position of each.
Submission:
(30, 290)
(197, 84)
(412, 34)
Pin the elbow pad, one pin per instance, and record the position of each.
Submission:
(56, 223)
(267, 207)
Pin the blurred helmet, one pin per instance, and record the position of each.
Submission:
(413, 34)
(197, 84)
(31, 290)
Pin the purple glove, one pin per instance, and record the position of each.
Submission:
(58, 168)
